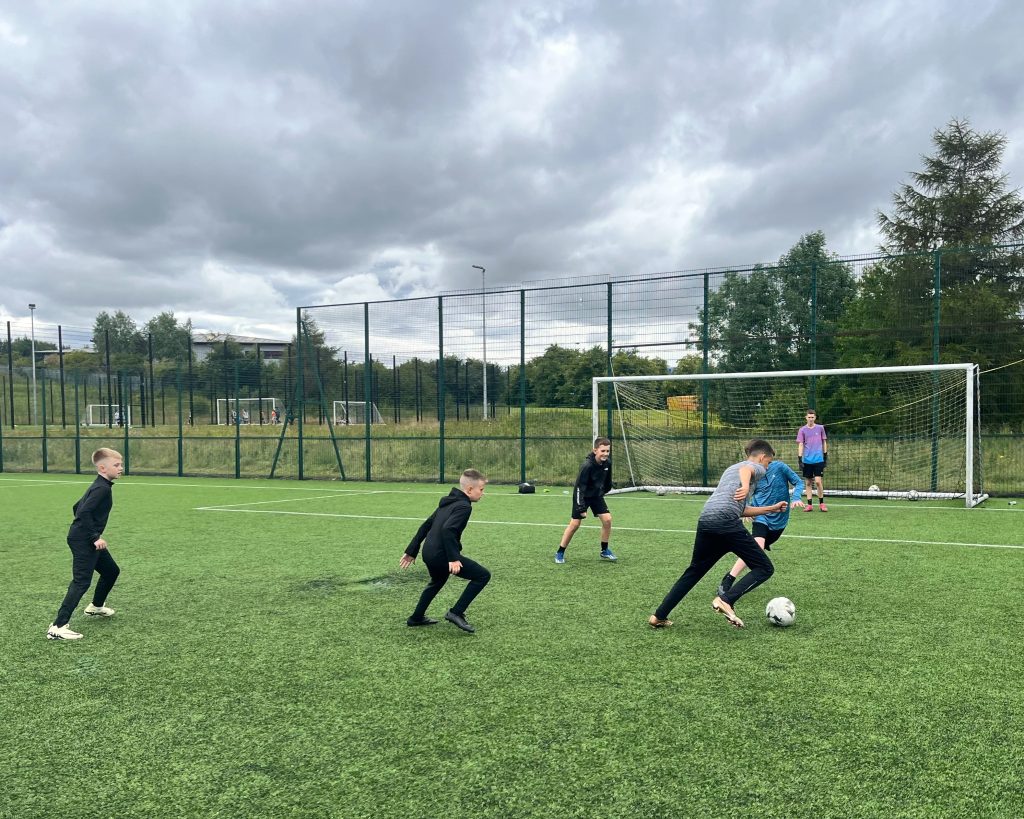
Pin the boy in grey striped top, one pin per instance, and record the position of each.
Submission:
(720, 531)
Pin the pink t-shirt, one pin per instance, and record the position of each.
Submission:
(813, 439)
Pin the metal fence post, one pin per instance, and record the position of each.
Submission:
(936, 321)
(367, 388)
(442, 396)
(238, 428)
(610, 387)
(181, 421)
(78, 429)
(812, 399)
(42, 378)
(300, 387)
(522, 386)
(705, 368)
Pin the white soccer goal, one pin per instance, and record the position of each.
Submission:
(893, 432)
(246, 410)
(101, 415)
(354, 412)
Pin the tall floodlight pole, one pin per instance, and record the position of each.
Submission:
(483, 280)
(32, 310)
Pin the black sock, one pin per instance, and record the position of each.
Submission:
(561, 550)
(604, 545)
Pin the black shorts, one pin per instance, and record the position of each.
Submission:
(813, 470)
(596, 505)
(770, 535)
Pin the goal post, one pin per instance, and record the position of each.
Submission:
(247, 410)
(893, 432)
(102, 415)
(354, 412)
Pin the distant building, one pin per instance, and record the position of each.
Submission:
(271, 349)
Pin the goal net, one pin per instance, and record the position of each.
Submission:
(248, 410)
(102, 415)
(354, 412)
(897, 432)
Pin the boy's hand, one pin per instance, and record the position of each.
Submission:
(797, 504)
(100, 544)
(781, 506)
(406, 561)
(741, 493)
(454, 566)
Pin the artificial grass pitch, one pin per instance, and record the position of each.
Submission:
(259, 663)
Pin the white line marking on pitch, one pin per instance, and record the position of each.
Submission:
(617, 528)
(233, 506)
(283, 487)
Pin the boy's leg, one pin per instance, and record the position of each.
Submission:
(570, 530)
(477, 576)
(606, 533)
(707, 551)
(761, 568)
(83, 562)
(438, 577)
(108, 571)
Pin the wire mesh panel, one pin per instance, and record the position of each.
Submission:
(419, 389)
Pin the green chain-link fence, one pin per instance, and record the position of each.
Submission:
(396, 390)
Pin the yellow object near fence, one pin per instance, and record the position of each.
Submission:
(683, 403)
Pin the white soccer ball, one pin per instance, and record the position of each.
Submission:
(661, 490)
(780, 611)
(874, 488)
(913, 495)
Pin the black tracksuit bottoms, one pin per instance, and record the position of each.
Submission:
(710, 545)
(85, 559)
(437, 565)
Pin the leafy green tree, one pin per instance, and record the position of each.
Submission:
(769, 318)
(959, 199)
(953, 222)
(170, 338)
(127, 346)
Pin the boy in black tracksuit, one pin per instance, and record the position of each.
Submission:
(592, 484)
(442, 552)
(88, 548)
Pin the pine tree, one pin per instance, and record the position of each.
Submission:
(959, 199)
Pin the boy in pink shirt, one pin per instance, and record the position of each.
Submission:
(812, 454)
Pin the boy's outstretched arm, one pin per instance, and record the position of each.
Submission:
(754, 511)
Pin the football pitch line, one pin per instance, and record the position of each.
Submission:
(649, 530)
(562, 495)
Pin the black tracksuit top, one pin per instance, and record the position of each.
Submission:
(594, 480)
(443, 529)
(92, 511)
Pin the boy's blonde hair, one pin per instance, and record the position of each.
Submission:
(103, 454)
(472, 476)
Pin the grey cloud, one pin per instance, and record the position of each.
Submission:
(305, 143)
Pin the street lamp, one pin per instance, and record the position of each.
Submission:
(32, 310)
(483, 279)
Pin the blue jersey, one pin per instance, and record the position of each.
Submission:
(774, 487)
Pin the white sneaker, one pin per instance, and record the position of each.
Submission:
(62, 633)
(99, 611)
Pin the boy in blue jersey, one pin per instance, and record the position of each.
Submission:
(812, 455)
(780, 483)
(719, 531)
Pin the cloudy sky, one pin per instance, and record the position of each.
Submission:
(231, 160)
